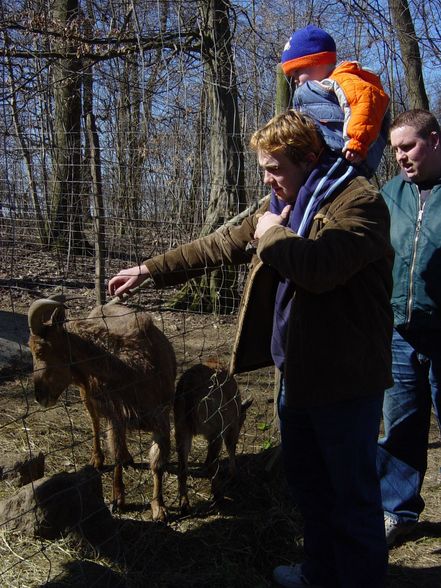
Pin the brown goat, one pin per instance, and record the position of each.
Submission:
(125, 368)
(207, 403)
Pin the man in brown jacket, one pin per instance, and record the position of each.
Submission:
(316, 304)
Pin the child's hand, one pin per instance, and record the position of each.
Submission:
(353, 157)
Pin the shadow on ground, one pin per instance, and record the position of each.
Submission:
(233, 545)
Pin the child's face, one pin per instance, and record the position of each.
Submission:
(315, 72)
(304, 74)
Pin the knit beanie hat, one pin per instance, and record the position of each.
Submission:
(308, 47)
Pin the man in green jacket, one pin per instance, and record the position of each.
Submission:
(316, 304)
(414, 201)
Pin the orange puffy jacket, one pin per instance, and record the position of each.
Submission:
(364, 103)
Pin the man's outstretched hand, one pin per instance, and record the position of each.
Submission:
(127, 279)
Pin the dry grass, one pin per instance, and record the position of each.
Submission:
(208, 548)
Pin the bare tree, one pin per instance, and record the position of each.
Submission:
(226, 160)
(98, 208)
(66, 209)
(410, 53)
(173, 89)
(218, 292)
(27, 156)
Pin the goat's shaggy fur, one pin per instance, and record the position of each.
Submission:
(125, 368)
(207, 403)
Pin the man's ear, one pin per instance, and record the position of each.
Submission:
(435, 140)
(311, 157)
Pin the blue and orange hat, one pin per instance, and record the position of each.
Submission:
(308, 47)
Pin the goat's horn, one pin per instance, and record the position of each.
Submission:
(40, 312)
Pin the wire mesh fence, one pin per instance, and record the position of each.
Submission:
(124, 130)
(63, 432)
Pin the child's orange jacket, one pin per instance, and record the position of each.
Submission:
(363, 101)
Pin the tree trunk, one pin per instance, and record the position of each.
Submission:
(226, 158)
(66, 209)
(218, 291)
(98, 209)
(284, 91)
(410, 53)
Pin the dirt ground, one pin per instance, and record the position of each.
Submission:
(232, 545)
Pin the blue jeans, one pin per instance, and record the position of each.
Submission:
(402, 452)
(330, 462)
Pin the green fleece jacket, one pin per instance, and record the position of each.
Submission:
(416, 238)
(338, 344)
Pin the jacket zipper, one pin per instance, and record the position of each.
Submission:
(414, 253)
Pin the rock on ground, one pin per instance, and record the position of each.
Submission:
(21, 469)
(64, 503)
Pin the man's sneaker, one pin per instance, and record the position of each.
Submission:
(291, 577)
(395, 529)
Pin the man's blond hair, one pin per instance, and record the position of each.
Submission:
(291, 133)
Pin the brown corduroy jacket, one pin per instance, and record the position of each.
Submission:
(340, 328)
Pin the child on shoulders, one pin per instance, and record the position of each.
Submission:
(347, 102)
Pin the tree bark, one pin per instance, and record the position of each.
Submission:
(98, 209)
(227, 180)
(410, 53)
(284, 91)
(66, 209)
(218, 291)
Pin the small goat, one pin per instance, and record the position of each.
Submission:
(125, 368)
(207, 403)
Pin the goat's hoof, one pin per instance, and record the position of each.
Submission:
(160, 515)
(184, 506)
(204, 470)
(97, 462)
(129, 462)
(126, 458)
(118, 505)
(219, 499)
